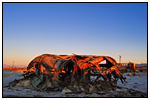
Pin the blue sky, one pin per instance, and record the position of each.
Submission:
(109, 29)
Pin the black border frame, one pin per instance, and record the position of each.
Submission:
(74, 2)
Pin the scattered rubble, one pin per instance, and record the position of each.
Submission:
(73, 75)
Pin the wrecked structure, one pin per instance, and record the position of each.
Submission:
(128, 67)
(131, 66)
(76, 72)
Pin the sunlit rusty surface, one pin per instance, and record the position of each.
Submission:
(78, 66)
(53, 62)
(78, 73)
(132, 65)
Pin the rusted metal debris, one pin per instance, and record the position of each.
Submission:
(75, 72)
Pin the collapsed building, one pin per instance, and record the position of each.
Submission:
(77, 72)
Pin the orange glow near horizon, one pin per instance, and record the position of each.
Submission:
(10, 63)
(23, 59)
(27, 61)
(16, 69)
(99, 34)
(16, 62)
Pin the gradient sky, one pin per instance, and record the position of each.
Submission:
(109, 29)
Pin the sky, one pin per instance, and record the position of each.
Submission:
(102, 29)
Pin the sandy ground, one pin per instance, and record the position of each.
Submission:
(137, 82)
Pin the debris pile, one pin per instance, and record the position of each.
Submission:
(71, 74)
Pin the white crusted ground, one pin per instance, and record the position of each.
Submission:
(137, 82)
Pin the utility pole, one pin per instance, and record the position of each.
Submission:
(13, 63)
(120, 60)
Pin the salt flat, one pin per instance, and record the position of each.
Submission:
(137, 82)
